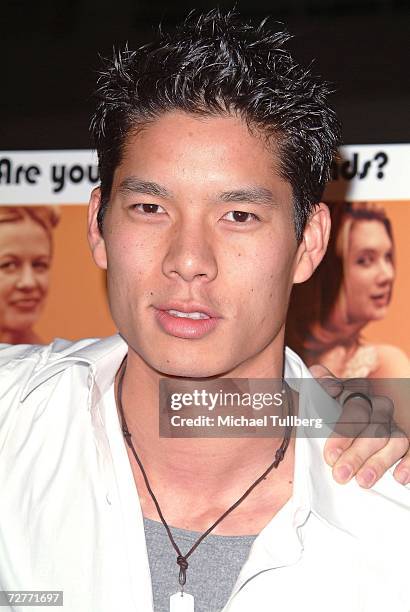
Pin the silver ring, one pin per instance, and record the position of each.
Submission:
(359, 395)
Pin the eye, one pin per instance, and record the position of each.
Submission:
(365, 261)
(150, 209)
(9, 266)
(239, 216)
(41, 266)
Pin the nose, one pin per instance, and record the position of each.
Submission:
(385, 272)
(190, 255)
(27, 278)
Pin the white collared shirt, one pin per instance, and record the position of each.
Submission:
(70, 517)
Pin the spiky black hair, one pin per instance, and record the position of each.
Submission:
(217, 63)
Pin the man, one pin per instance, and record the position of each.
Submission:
(214, 149)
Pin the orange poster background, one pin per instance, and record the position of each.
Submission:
(77, 304)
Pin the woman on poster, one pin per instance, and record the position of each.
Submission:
(26, 249)
(352, 287)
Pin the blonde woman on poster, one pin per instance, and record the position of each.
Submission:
(351, 288)
(25, 259)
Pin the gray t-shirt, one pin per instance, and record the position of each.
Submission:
(213, 567)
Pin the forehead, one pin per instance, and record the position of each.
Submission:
(369, 234)
(206, 152)
(23, 237)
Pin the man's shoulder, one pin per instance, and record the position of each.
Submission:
(18, 352)
(353, 509)
(23, 367)
(349, 507)
(59, 348)
(39, 352)
(39, 384)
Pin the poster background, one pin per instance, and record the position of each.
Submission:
(76, 305)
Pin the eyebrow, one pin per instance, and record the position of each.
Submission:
(136, 185)
(254, 195)
(366, 250)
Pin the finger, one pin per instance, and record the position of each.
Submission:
(402, 470)
(334, 448)
(381, 461)
(332, 385)
(356, 414)
(398, 390)
(383, 409)
(373, 439)
(361, 403)
(318, 370)
(355, 417)
(359, 410)
(356, 390)
(358, 385)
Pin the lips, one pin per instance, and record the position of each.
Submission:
(189, 320)
(26, 303)
(381, 299)
(188, 307)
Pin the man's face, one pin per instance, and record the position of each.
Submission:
(200, 221)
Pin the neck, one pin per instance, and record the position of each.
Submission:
(336, 332)
(194, 470)
(25, 336)
(347, 332)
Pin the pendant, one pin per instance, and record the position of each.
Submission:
(181, 602)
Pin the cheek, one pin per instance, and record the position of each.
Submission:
(131, 264)
(357, 282)
(7, 285)
(263, 282)
(364, 284)
(43, 282)
(357, 293)
(4, 294)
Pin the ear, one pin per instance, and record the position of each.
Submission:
(95, 238)
(314, 243)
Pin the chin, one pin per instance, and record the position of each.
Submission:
(188, 365)
(22, 325)
(187, 370)
(379, 314)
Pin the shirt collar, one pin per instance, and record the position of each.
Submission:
(314, 487)
(103, 357)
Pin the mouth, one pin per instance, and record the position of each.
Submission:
(381, 299)
(186, 320)
(188, 315)
(26, 304)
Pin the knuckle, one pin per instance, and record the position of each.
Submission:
(402, 447)
(383, 406)
(357, 459)
(380, 431)
(365, 450)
